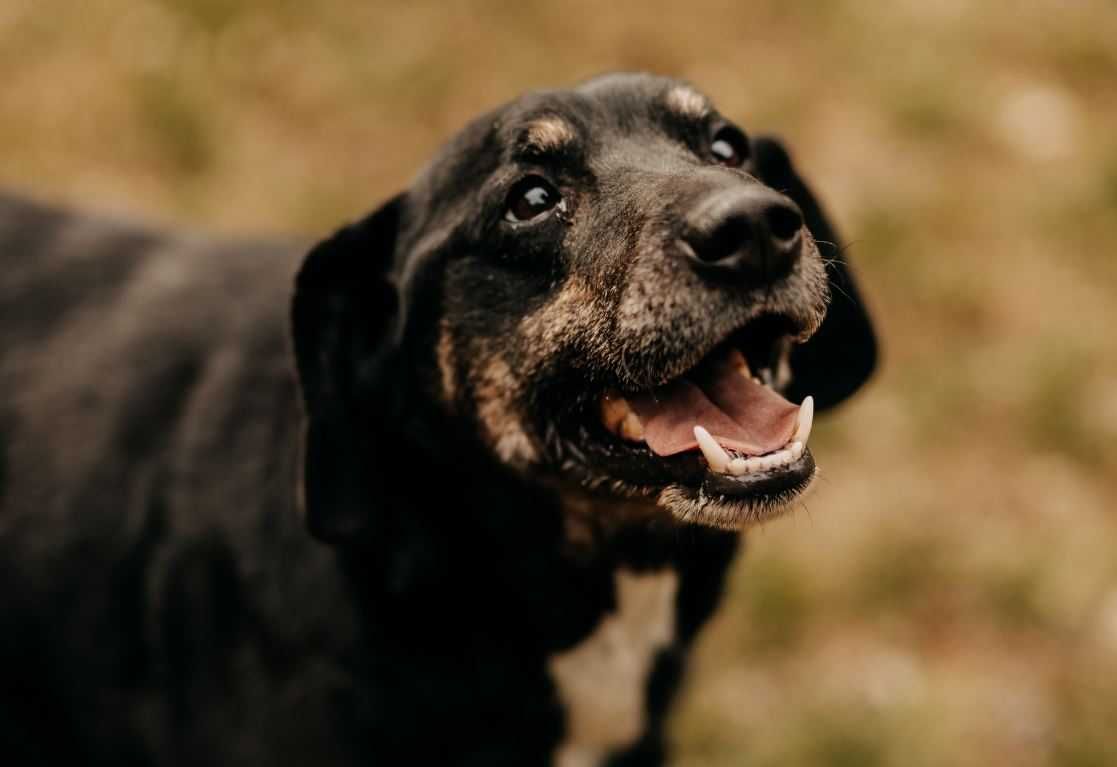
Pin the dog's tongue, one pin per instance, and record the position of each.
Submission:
(737, 411)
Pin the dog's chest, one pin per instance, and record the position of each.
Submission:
(602, 681)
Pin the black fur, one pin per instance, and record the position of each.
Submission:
(160, 465)
(838, 358)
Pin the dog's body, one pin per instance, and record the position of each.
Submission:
(500, 587)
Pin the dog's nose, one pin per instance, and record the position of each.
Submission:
(754, 234)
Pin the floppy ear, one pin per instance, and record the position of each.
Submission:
(341, 316)
(841, 356)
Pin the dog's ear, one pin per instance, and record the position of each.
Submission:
(841, 356)
(341, 317)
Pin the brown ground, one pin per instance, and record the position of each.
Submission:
(950, 595)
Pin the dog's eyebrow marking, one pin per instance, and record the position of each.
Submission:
(687, 102)
(548, 134)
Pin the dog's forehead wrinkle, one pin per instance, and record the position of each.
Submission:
(647, 150)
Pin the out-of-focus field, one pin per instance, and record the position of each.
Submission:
(950, 595)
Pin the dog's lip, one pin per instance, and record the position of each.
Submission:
(766, 483)
(711, 466)
(798, 328)
(637, 467)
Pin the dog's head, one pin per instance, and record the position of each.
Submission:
(575, 283)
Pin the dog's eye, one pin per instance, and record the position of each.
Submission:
(729, 146)
(531, 197)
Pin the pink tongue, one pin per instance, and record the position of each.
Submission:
(738, 412)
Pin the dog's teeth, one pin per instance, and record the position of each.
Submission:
(715, 455)
(742, 364)
(619, 418)
(632, 428)
(757, 463)
(788, 454)
(806, 419)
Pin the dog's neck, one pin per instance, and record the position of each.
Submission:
(557, 609)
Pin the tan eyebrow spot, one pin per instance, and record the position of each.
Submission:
(549, 133)
(687, 102)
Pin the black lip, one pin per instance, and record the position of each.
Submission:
(782, 480)
(603, 453)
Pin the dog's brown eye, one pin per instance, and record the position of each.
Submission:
(729, 147)
(531, 197)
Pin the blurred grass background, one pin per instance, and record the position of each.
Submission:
(949, 596)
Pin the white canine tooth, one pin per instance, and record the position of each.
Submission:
(796, 450)
(806, 419)
(715, 455)
(738, 466)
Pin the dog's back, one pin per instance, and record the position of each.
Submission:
(139, 571)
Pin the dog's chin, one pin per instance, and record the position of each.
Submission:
(735, 503)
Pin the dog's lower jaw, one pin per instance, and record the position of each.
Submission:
(606, 503)
(702, 507)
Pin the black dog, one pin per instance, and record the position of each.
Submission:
(502, 370)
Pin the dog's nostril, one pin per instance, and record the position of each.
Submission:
(731, 236)
(749, 235)
(784, 222)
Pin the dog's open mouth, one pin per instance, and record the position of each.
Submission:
(719, 437)
(739, 423)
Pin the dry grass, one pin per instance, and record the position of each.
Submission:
(950, 595)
